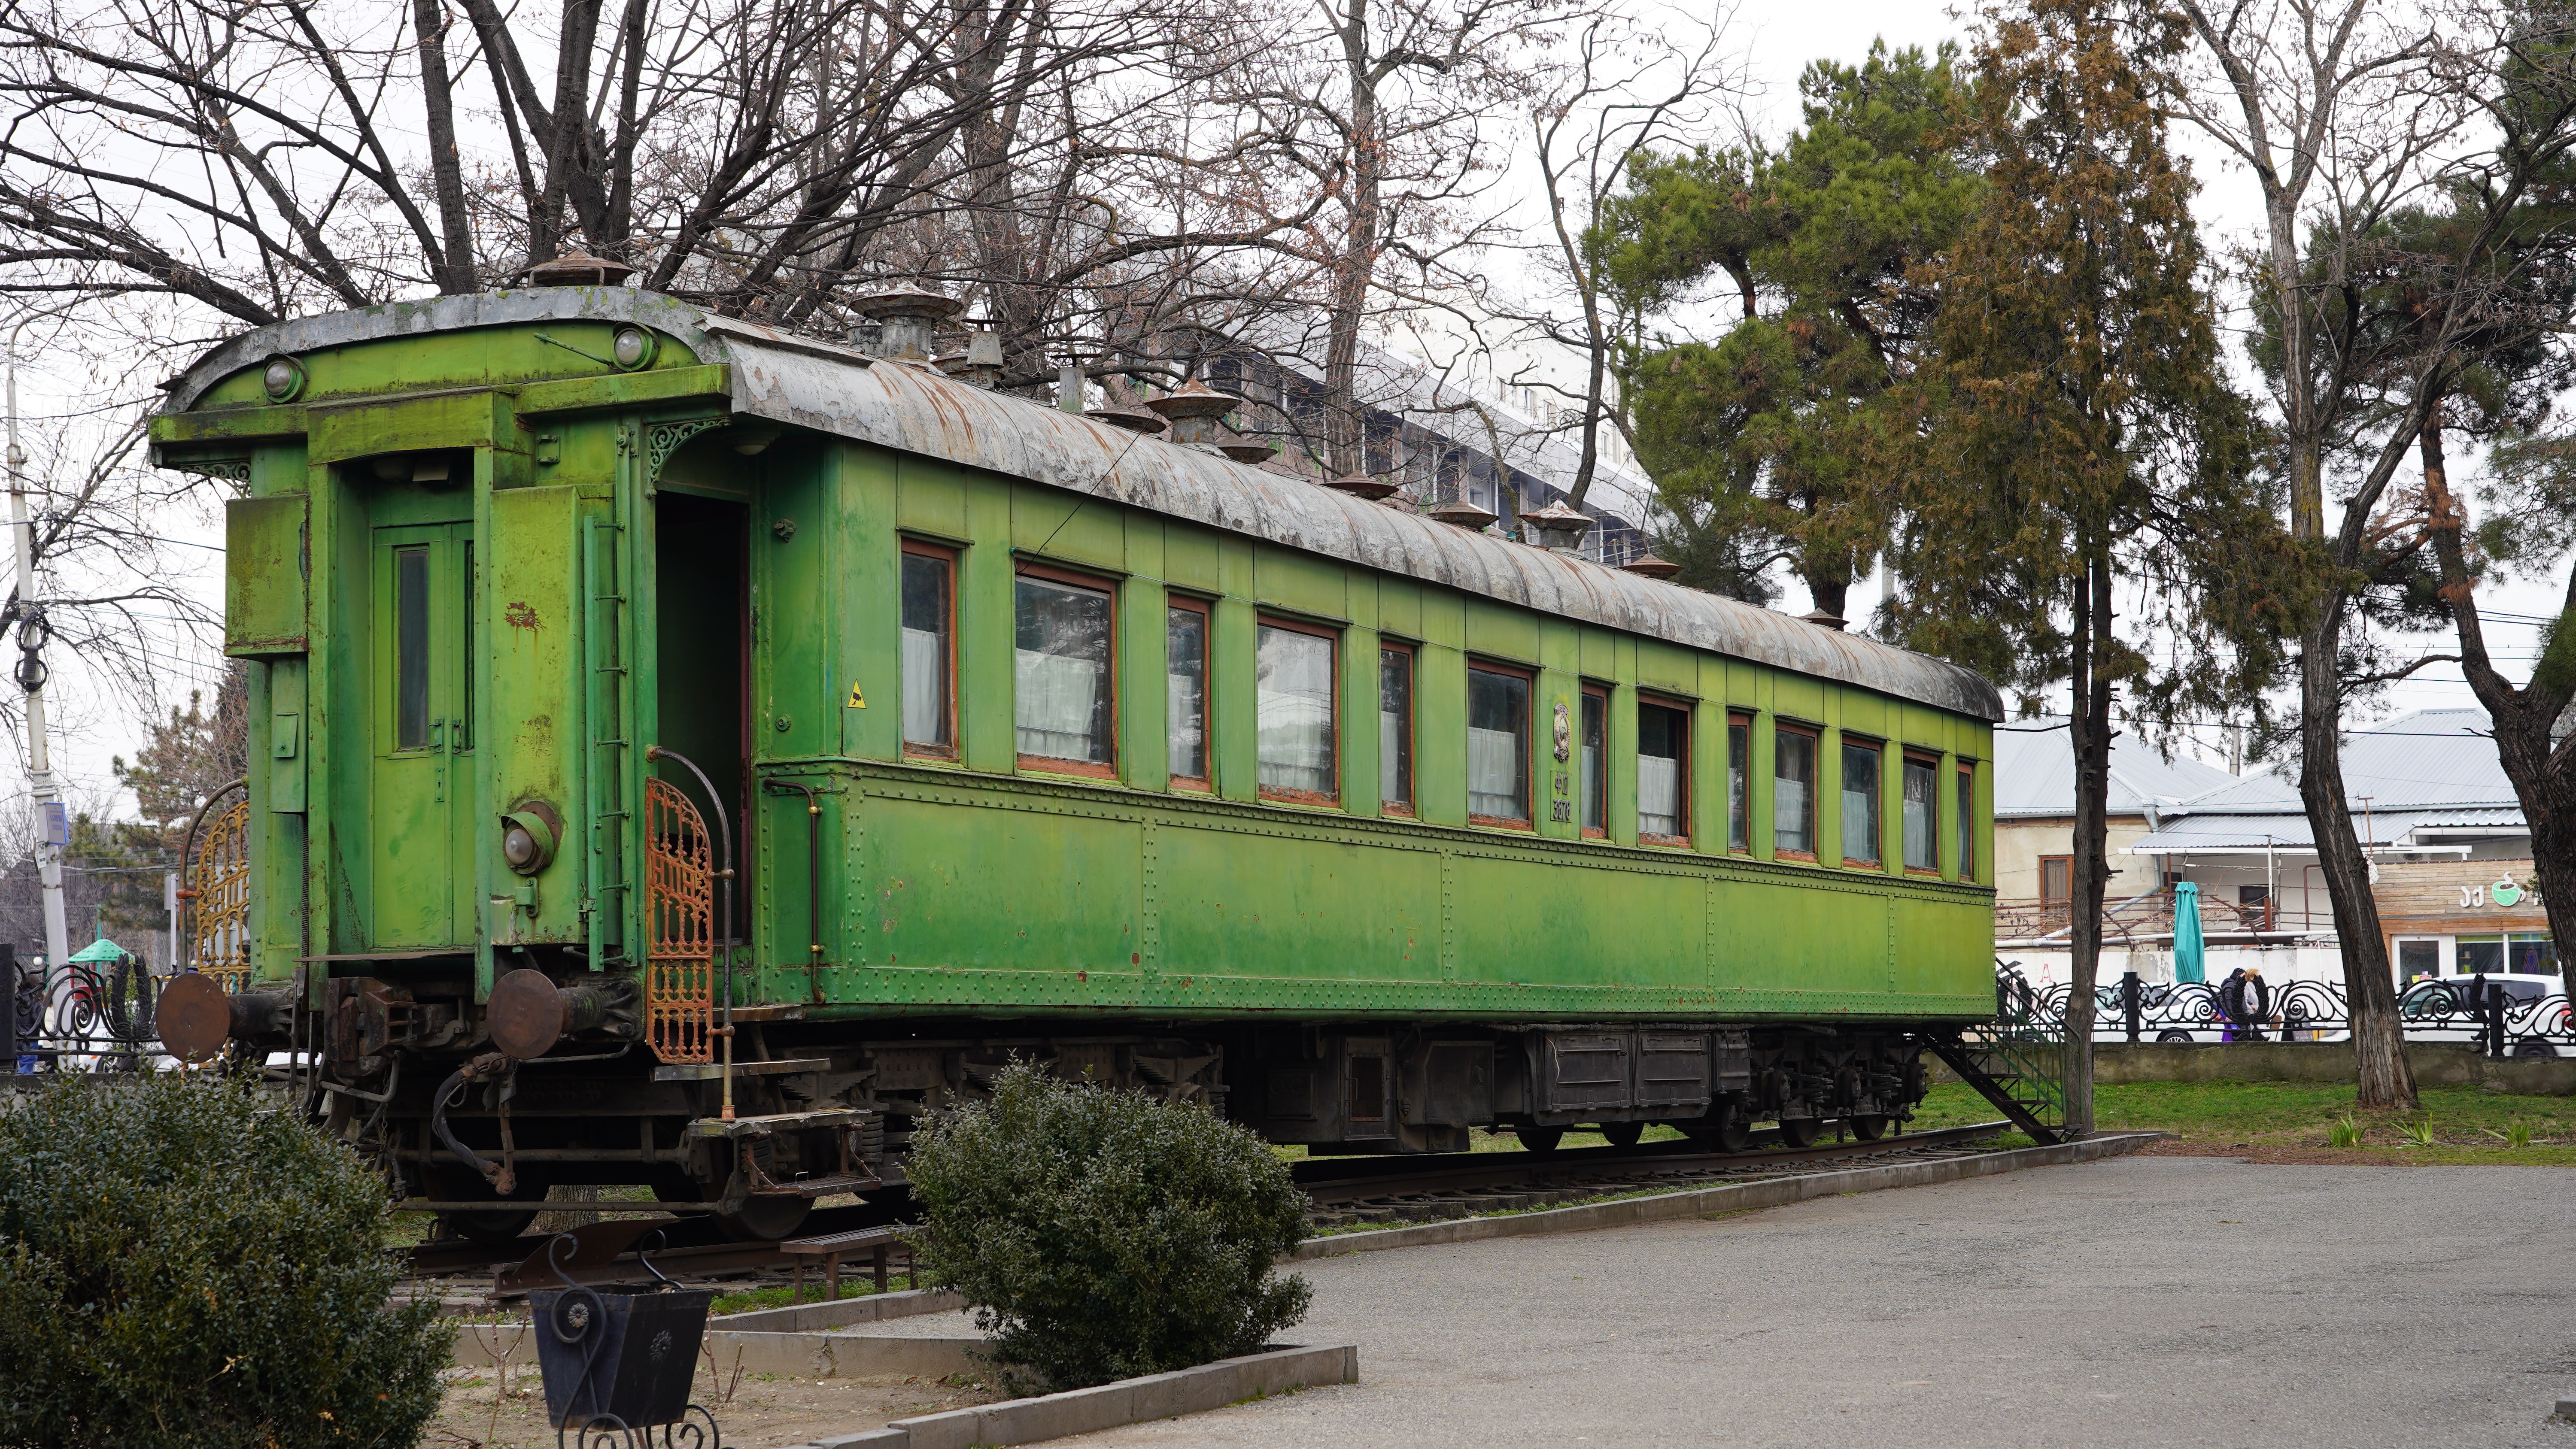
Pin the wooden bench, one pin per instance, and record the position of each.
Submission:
(832, 1247)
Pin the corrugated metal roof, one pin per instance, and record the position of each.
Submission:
(2433, 759)
(2035, 773)
(833, 389)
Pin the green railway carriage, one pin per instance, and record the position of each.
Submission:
(634, 687)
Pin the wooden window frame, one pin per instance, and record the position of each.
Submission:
(2044, 897)
(1331, 635)
(1671, 842)
(1528, 823)
(1815, 737)
(1878, 749)
(1601, 693)
(1050, 764)
(1967, 842)
(948, 706)
(1410, 807)
(1206, 610)
(1931, 761)
(1735, 721)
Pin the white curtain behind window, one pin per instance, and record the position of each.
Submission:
(1493, 773)
(1659, 795)
(925, 690)
(1058, 697)
(1295, 707)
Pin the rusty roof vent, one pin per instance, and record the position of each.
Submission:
(907, 316)
(981, 362)
(1556, 528)
(1245, 448)
(1460, 512)
(1652, 567)
(579, 269)
(1823, 620)
(1196, 412)
(1361, 485)
(1134, 420)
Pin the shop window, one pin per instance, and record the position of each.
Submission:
(1294, 701)
(1663, 771)
(2417, 960)
(1497, 745)
(1395, 729)
(1793, 792)
(929, 651)
(1860, 804)
(1185, 641)
(2531, 956)
(1064, 710)
(2477, 955)
(1922, 824)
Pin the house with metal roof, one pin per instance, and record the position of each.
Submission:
(2035, 814)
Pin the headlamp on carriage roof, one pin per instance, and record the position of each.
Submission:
(529, 835)
(282, 378)
(633, 349)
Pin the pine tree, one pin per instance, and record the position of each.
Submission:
(2079, 450)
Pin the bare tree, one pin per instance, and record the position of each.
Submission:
(2338, 110)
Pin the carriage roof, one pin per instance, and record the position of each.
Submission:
(834, 389)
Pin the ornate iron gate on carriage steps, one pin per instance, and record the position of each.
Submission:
(2017, 1061)
(679, 892)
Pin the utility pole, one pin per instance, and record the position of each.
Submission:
(53, 821)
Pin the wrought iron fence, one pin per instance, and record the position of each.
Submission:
(85, 1016)
(2506, 1018)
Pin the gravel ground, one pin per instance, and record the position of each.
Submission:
(2145, 1301)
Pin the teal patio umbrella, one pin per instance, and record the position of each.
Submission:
(2191, 954)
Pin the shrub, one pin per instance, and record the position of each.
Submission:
(1103, 1234)
(2346, 1132)
(183, 1265)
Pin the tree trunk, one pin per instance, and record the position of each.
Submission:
(2089, 735)
(2543, 775)
(455, 269)
(1345, 437)
(2386, 1081)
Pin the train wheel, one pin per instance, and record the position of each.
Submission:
(765, 1219)
(1540, 1139)
(1801, 1131)
(1623, 1134)
(1868, 1128)
(1732, 1135)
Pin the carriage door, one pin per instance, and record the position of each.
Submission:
(423, 807)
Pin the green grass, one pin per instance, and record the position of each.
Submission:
(860, 1286)
(2457, 1126)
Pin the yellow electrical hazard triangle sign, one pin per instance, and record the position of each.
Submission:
(857, 700)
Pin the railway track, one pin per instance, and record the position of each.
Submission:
(1346, 1192)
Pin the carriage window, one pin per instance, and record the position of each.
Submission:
(1922, 815)
(465, 722)
(1793, 792)
(1497, 746)
(1860, 804)
(1064, 708)
(1596, 762)
(1967, 822)
(1663, 756)
(928, 694)
(411, 648)
(1395, 730)
(1739, 781)
(1295, 707)
(1185, 638)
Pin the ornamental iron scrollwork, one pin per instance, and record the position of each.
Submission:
(215, 869)
(661, 440)
(2249, 1008)
(679, 908)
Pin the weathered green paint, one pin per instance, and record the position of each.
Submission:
(587, 628)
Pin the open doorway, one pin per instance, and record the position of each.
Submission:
(702, 629)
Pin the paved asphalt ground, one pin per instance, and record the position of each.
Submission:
(2138, 1301)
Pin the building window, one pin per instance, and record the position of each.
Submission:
(1922, 815)
(1185, 671)
(1663, 772)
(2056, 879)
(1739, 782)
(929, 651)
(1395, 730)
(1497, 746)
(1967, 822)
(1860, 804)
(1793, 792)
(2418, 960)
(1065, 710)
(1596, 762)
(1294, 705)
(2518, 955)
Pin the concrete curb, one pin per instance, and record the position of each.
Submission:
(1734, 1197)
(813, 1317)
(1129, 1401)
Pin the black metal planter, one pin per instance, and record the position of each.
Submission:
(617, 1366)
